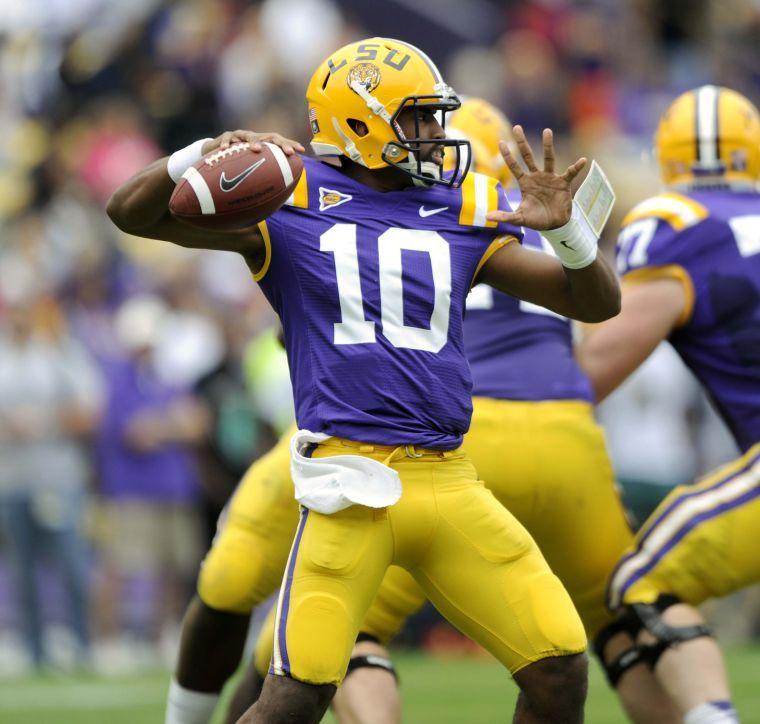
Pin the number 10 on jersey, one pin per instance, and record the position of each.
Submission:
(353, 328)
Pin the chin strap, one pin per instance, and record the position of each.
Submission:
(426, 168)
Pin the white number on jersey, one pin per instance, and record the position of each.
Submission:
(340, 240)
(634, 241)
(747, 233)
(353, 328)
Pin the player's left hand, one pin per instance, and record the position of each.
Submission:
(546, 196)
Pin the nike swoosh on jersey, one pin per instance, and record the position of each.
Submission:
(227, 184)
(429, 212)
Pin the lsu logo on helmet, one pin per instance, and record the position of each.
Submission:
(366, 75)
(356, 95)
(709, 136)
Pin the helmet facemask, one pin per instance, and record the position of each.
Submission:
(427, 173)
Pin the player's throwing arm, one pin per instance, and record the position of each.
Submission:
(141, 206)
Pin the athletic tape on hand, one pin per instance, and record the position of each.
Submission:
(183, 159)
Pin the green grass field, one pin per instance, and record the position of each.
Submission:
(435, 692)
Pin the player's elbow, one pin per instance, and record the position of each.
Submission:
(605, 307)
(123, 210)
(117, 210)
(611, 305)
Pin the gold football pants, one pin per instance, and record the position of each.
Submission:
(545, 461)
(700, 542)
(468, 554)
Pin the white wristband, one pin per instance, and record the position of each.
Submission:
(181, 160)
(575, 243)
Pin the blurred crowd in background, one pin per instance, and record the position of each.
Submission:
(138, 380)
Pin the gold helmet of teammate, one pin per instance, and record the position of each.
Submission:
(483, 125)
(709, 136)
(356, 95)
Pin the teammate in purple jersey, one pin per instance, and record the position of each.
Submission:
(690, 260)
(374, 105)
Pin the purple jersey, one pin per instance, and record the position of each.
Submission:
(518, 350)
(710, 241)
(370, 288)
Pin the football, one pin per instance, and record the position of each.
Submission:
(235, 187)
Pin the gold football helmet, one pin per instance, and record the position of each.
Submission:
(371, 82)
(709, 136)
(483, 125)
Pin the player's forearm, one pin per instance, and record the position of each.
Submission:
(589, 294)
(142, 201)
(594, 291)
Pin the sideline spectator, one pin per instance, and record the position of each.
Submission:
(50, 393)
(151, 528)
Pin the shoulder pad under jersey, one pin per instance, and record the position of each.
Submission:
(479, 195)
(677, 210)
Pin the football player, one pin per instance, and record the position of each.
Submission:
(368, 268)
(690, 260)
(530, 397)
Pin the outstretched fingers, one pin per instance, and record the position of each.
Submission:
(510, 160)
(548, 139)
(525, 150)
(574, 169)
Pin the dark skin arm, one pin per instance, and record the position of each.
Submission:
(591, 294)
(140, 206)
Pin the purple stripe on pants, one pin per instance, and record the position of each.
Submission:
(686, 496)
(671, 507)
(288, 582)
(685, 530)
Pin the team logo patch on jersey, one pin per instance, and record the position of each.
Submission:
(365, 74)
(329, 199)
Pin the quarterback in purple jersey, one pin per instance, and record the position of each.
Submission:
(362, 283)
(530, 396)
(690, 261)
(536, 446)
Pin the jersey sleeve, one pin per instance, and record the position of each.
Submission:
(481, 194)
(659, 239)
(495, 234)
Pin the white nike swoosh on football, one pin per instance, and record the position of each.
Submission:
(429, 212)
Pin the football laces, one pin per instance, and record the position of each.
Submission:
(218, 156)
